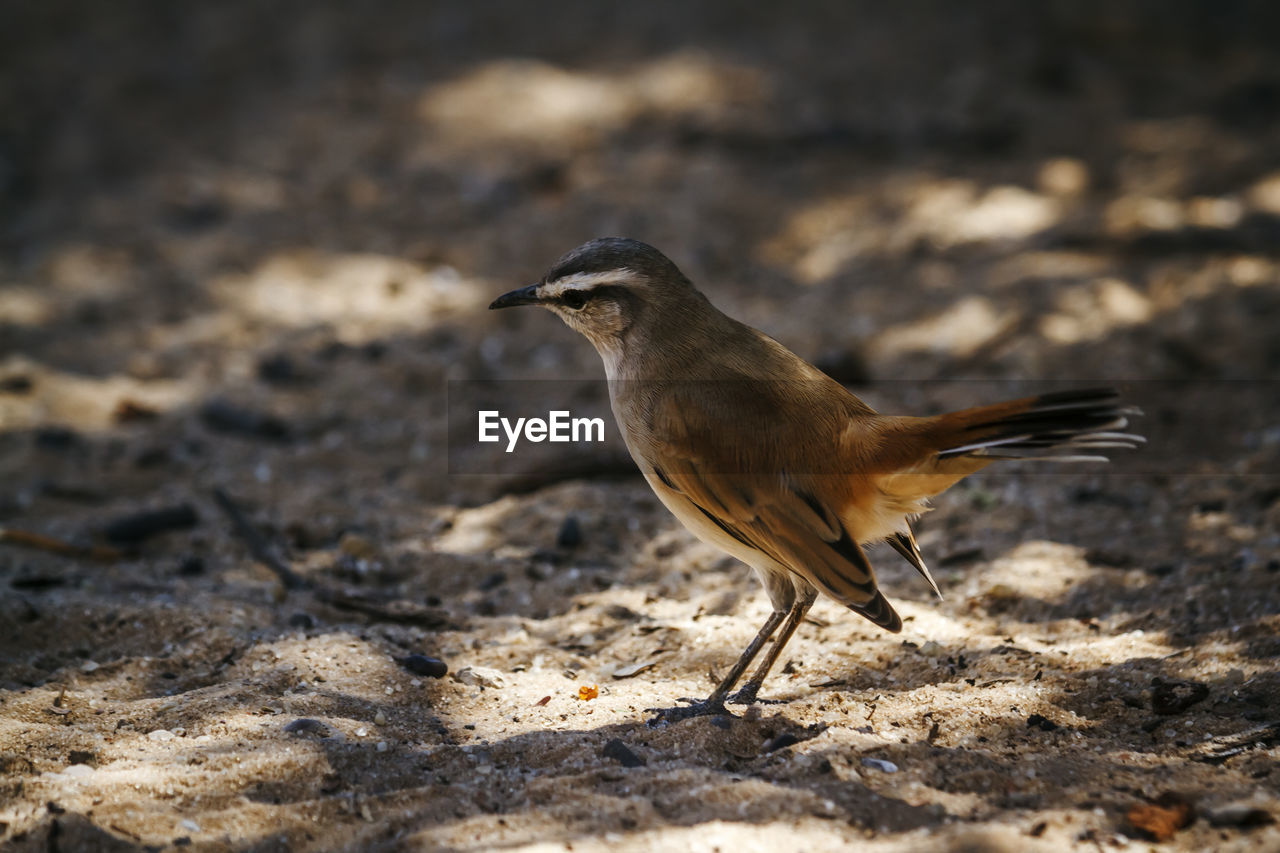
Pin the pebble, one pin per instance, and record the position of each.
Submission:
(88, 666)
(1174, 697)
(1002, 592)
(423, 665)
(160, 735)
(783, 741)
(190, 825)
(1239, 814)
(382, 746)
(931, 650)
(621, 753)
(880, 764)
(133, 529)
(570, 535)
(225, 417)
(305, 725)
(380, 719)
(78, 771)
(302, 620)
(355, 545)
(480, 676)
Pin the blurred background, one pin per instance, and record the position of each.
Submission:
(247, 246)
(308, 207)
(217, 198)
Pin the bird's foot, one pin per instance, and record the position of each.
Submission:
(747, 696)
(695, 708)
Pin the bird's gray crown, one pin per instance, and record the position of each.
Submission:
(615, 253)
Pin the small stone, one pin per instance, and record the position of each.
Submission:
(782, 741)
(362, 732)
(1239, 814)
(279, 369)
(302, 620)
(382, 746)
(1041, 722)
(493, 581)
(380, 719)
(622, 613)
(225, 417)
(621, 753)
(1001, 592)
(932, 650)
(160, 735)
(355, 545)
(16, 385)
(78, 771)
(137, 527)
(880, 764)
(479, 676)
(570, 535)
(1174, 697)
(89, 666)
(423, 665)
(306, 725)
(190, 825)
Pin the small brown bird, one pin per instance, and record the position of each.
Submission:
(758, 452)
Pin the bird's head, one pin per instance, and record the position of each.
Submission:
(610, 289)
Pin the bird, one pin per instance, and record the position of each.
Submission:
(764, 456)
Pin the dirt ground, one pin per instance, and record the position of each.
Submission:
(246, 250)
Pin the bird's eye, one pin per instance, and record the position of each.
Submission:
(574, 299)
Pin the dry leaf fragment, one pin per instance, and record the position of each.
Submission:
(632, 669)
(1162, 819)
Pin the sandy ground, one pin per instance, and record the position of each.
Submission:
(250, 251)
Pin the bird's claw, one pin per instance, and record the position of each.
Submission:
(703, 708)
(747, 696)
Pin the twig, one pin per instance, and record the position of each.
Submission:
(397, 610)
(259, 547)
(382, 609)
(37, 542)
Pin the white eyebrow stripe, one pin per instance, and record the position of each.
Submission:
(587, 280)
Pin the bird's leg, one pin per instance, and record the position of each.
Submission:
(714, 704)
(747, 695)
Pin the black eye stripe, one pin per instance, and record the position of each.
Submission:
(576, 299)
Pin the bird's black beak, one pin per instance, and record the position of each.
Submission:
(523, 296)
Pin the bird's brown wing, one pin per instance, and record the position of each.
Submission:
(904, 542)
(755, 501)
